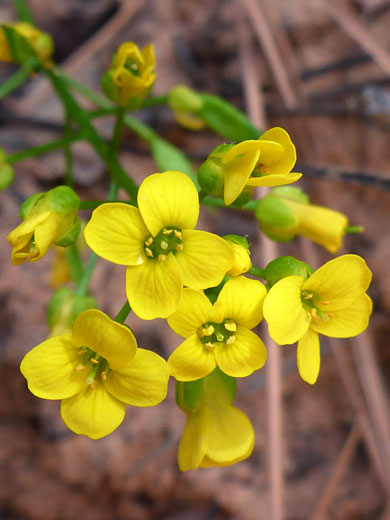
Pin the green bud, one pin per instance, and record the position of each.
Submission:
(184, 99)
(63, 200)
(286, 266)
(275, 218)
(64, 307)
(6, 176)
(236, 239)
(244, 197)
(30, 204)
(210, 173)
(71, 237)
(109, 87)
(189, 394)
(291, 193)
(81, 304)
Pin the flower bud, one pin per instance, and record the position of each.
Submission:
(242, 260)
(20, 41)
(210, 173)
(48, 219)
(63, 309)
(286, 266)
(286, 212)
(185, 103)
(131, 75)
(6, 171)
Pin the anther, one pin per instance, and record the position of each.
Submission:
(324, 302)
(82, 352)
(230, 340)
(104, 377)
(179, 247)
(149, 252)
(149, 241)
(208, 331)
(94, 361)
(178, 234)
(80, 367)
(164, 245)
(308, 296)
(93, 385)
(167, 231)
(313, 312)
(161, 258)
(231, 327)
(209, 345)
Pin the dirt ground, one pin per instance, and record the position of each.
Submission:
(342, 124)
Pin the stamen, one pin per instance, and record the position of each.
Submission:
(231, 327)
(104, 376)
(149, 241)
(179, 247)
(148, 252)
(230, 340)
(161, 258)
(93, 385)
(324, 302)
(308, 296)
(80, 367)
(209, 345)
(208, 331)
(178, 234)
(82, 351)
(167, 231)
(164, 245)
(313, 312)
(94, 361)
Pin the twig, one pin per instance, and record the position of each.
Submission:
(358, 31)
(337, 473)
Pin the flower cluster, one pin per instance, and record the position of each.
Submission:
(196, 280)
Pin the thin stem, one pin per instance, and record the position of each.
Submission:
(82, 286)
(20, 76)
(23, 12)
(123, 313)
(116, 136)
(75, 263)
(42, 149)
(354, 229)
(156, 100)
(257, 271)
(68, 152)
(219, 203)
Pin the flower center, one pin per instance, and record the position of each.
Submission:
(168, 240)
(97, 366)
(132, 66)
(260, 170)
(214, 334)
(309, 300)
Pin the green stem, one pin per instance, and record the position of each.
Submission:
(75, 263)
(23, 12)
(257, 271)
(219, 203)
(68, 152)
(82, 118)
(18, 78)
(156, 100)
(116, 136)
(354, 229)
(123, 313)
(82, 286)
(42, 149)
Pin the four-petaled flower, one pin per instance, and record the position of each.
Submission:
(267, 161)
(332, 301)
(158, 243)
(96, 370)
(219, 334)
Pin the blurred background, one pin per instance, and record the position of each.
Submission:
(320, 69)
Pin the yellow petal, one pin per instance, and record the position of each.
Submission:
(244, 356)
(242, 300)
(143, 382)
(191, 360)
(45, 235)
(148, 55)
(340, 282)
(231, 437)
(154, 289)
(116, 232)
(217, 312)
(287, 320)
(308, 356)
(168, 199)
(194, 440)
(94, 413)
(194, 310)
(20, 237)
(277, 163)
(348, 322)
(113, 341)
(205, 259)
(50, 369)
(236, 174)
(241, 149)
(274, 179)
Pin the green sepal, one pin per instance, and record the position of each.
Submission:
(81, 304)
(189, 394)
(19, 46)
(71, 237)
(275, 218)
(226, 120)
(65, 305)
(243, 198)
(182, 98)
(6, 176)
(237, 239)
(286, 266)
(30, 204)
(291, 193)
(168, 157)
(109, 87)
(63, 200)
(213, 292)
(228, 383)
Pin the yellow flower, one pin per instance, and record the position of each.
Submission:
(216, 433)
(158, 243)
(184, 104)
(48, 218)
(332, 301)
(95, 371)
(130, 76)
(267, 161)
(242, 255)
(219, 334)
(286, 212)
(21, 40)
